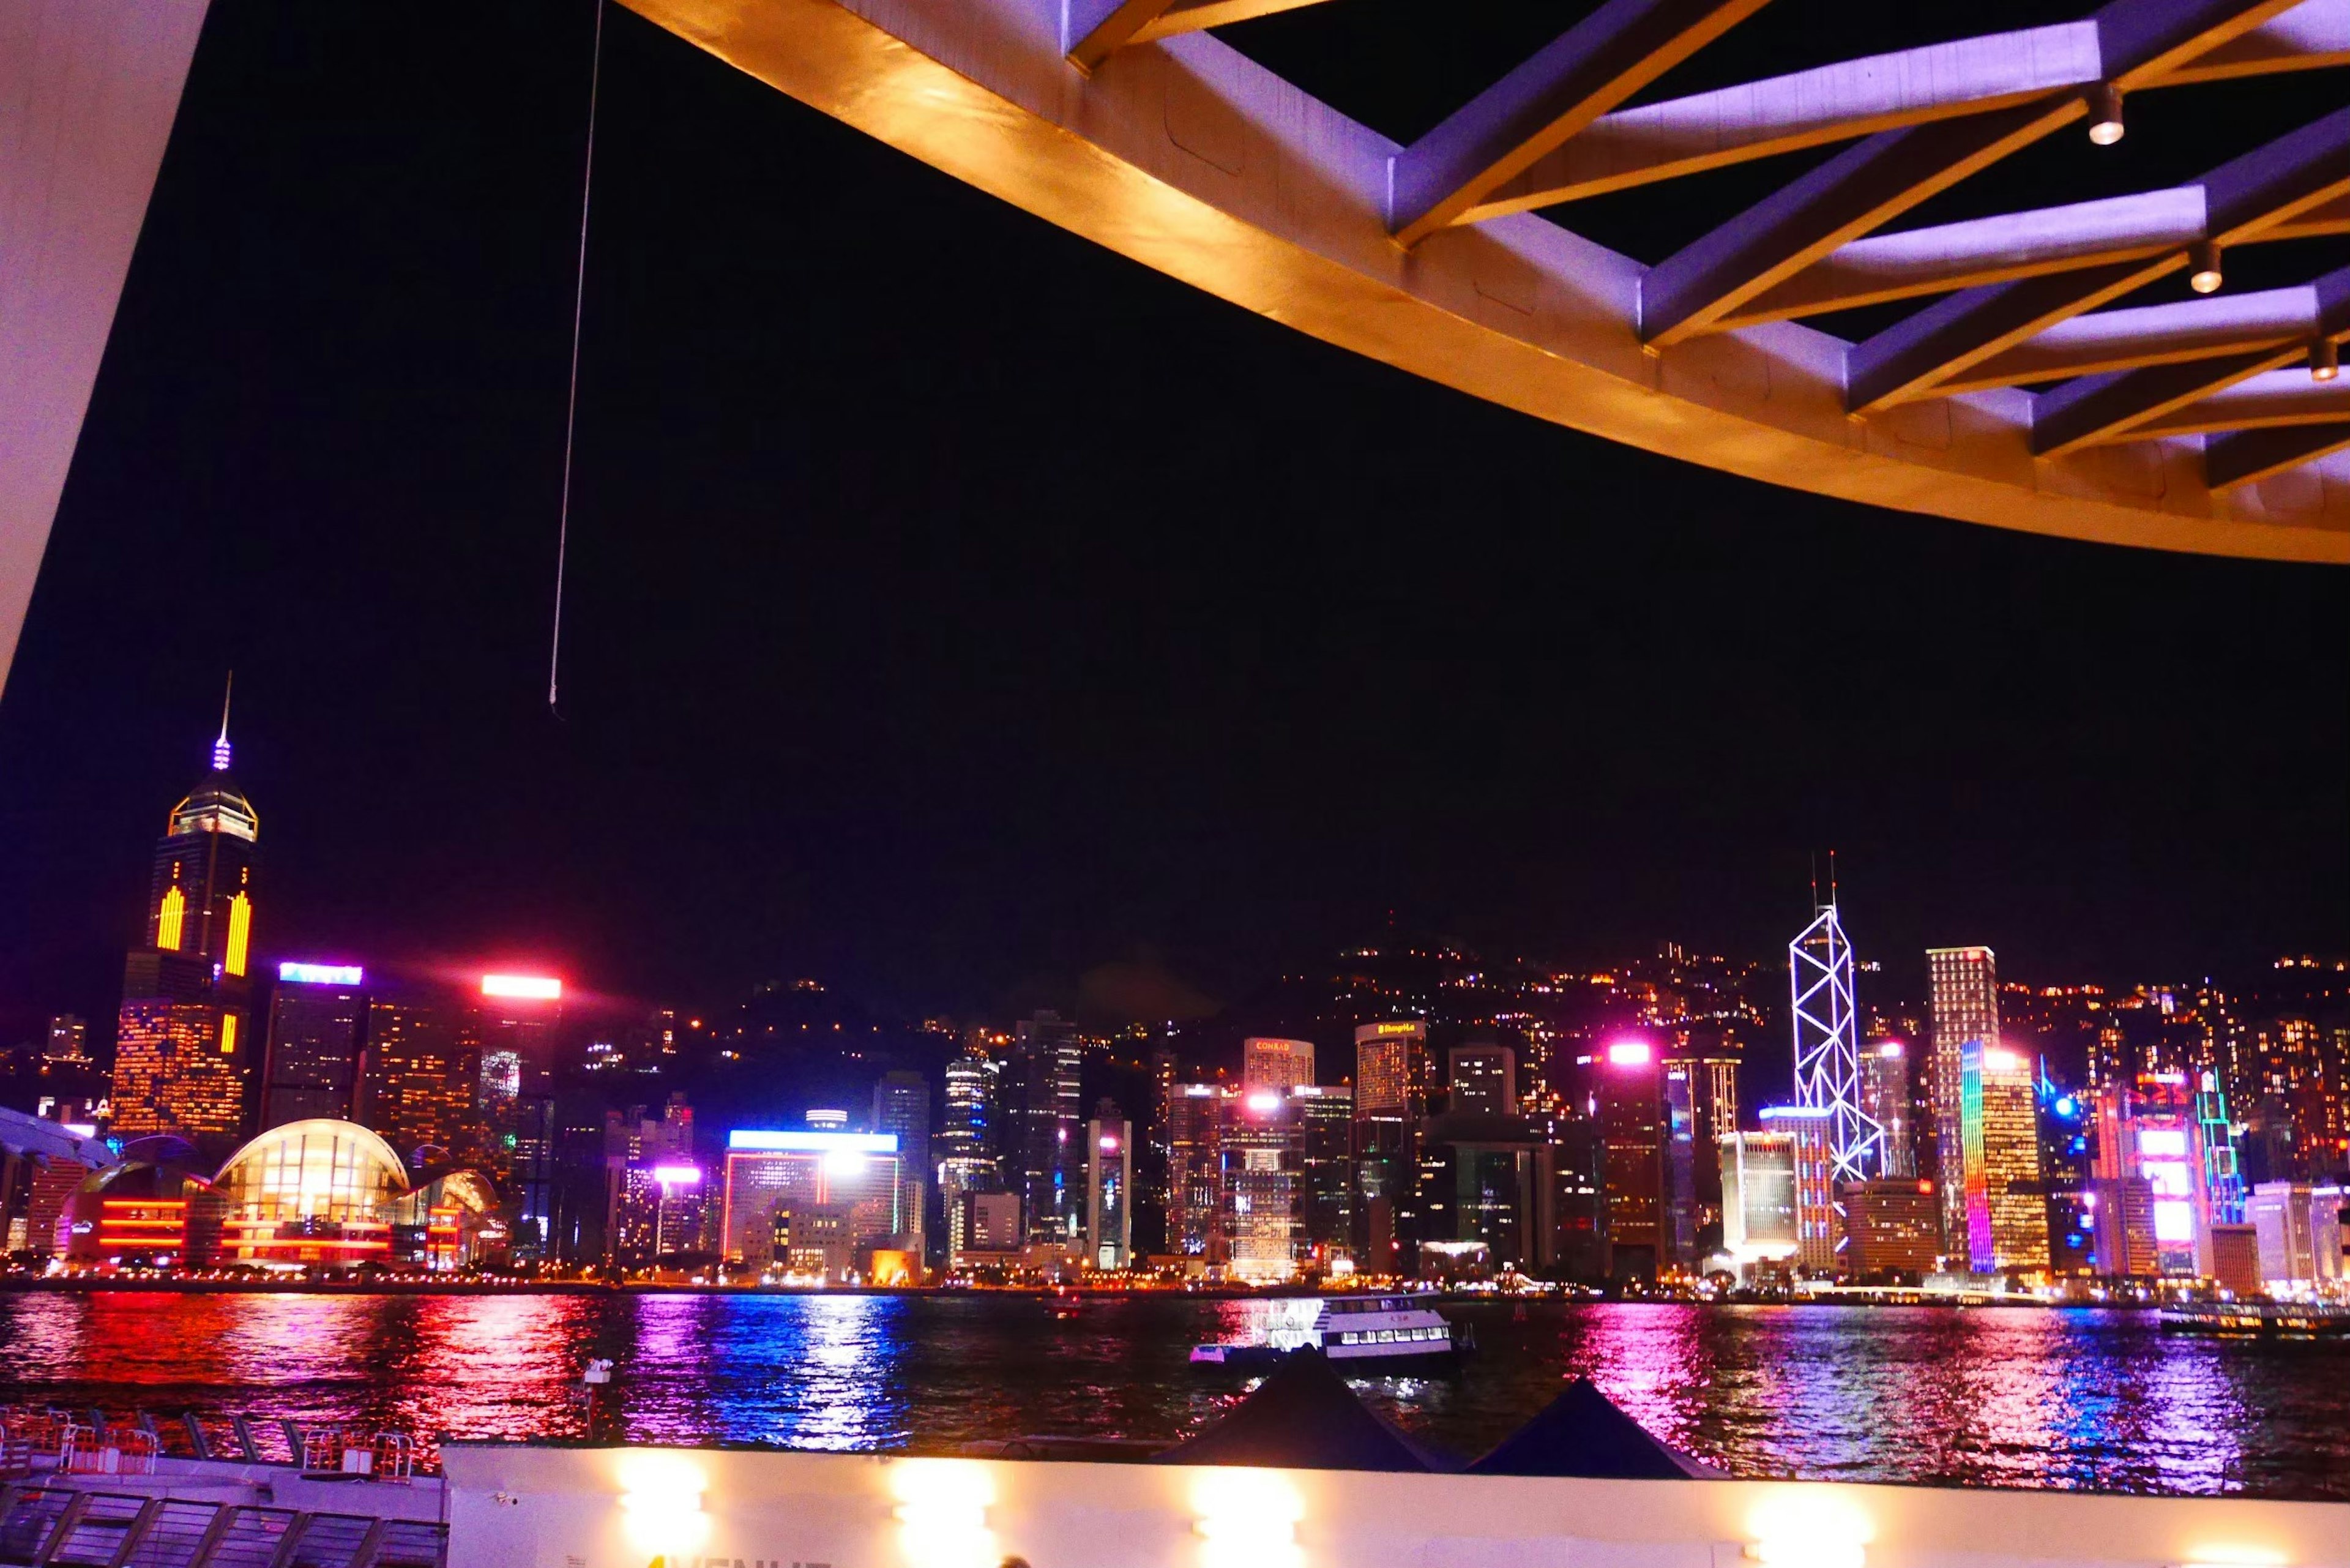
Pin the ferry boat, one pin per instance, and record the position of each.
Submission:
(2269, 1319)
(1378, 1336)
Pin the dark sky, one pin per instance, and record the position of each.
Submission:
(956, 606)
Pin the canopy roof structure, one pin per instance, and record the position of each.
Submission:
(1582, 1433)
(38, 1139)
(2026, 388)
(1304, 1417)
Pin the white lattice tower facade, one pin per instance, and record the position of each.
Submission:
(1827, 1046)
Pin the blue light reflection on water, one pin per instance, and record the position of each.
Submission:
(1994, 1396)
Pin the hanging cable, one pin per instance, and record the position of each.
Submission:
(571, 412)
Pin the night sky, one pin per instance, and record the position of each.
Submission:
(956, 607)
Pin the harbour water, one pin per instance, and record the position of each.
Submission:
(2001, 1397)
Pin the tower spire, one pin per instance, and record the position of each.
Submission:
(219, 746)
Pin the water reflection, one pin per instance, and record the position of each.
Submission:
(2013, 1396)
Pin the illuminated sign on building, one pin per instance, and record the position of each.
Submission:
(1629, 1053)
(526, 987)
(320, 973)
(678, 1174)
(755, 1141)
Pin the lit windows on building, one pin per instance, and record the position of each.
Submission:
(311, 1068)
(2006, 1202)
(1759, 1223)
(856, 1173)
(310, 1192)
(1818, 1229)
(1271, 1064)
(1110, 1192)
(1963, 986)
(170, 919)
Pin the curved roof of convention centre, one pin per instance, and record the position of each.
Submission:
(369, 1149)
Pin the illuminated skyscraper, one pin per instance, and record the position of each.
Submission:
(1632, 1161)
(902, 1107)
(1963, 983)
(67, 1045)
(1758, 1196)
(1392, 1083)
(1483, 1080)
(1328, 1115)
(1269, 1064)
(1263, 1180)
(1194, 1170)
(1885, 1099)
(1043, 1160)
(965, 1145)
(846, 1181)
(508, 1034)
(1827, 1045)
(415, 1095)
(1700, 1104)
(1819, 1229)
(1892, 1226)
(1110, 1189)
(2006, 1201)
(184, 1039)
(318, 1023)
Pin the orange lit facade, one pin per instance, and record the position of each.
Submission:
(311, 1192)
(148, 1230)
(414, 1092)
(181, 1067)
(185, 1035)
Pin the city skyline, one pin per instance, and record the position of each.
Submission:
(1663, 1124)
(944, 727)
(1146, 980)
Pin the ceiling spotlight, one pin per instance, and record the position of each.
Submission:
(2325, 359)
(2105, 114)
(2203, 258)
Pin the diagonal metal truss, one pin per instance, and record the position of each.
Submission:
(1827, 1046)
(2024, 390)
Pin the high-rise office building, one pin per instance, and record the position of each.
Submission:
(68, 1043)
(902, 1107)
(808, 1172)
(1819, 1229)
(1271, 1064)
(1759, 1222)
(2006, 1201)
(1392, 1079)
(1110, 1189)
(1327, 1127)
(1700, 1104)
(413, 1091)
(1043, 1160)
(1194, 1164)
(1484, 1079)
(1261, 1172)
(964, 1148)
(508, 1033)
(184, 1040)
(991, 1223)
(2147, 1171)
(1827, 1045)
(314, 1065)
(1891, 1226)
(1964, 1002)
(1885, 1096)
(1632, 1130)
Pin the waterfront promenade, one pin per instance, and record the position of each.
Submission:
(522, 1507)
